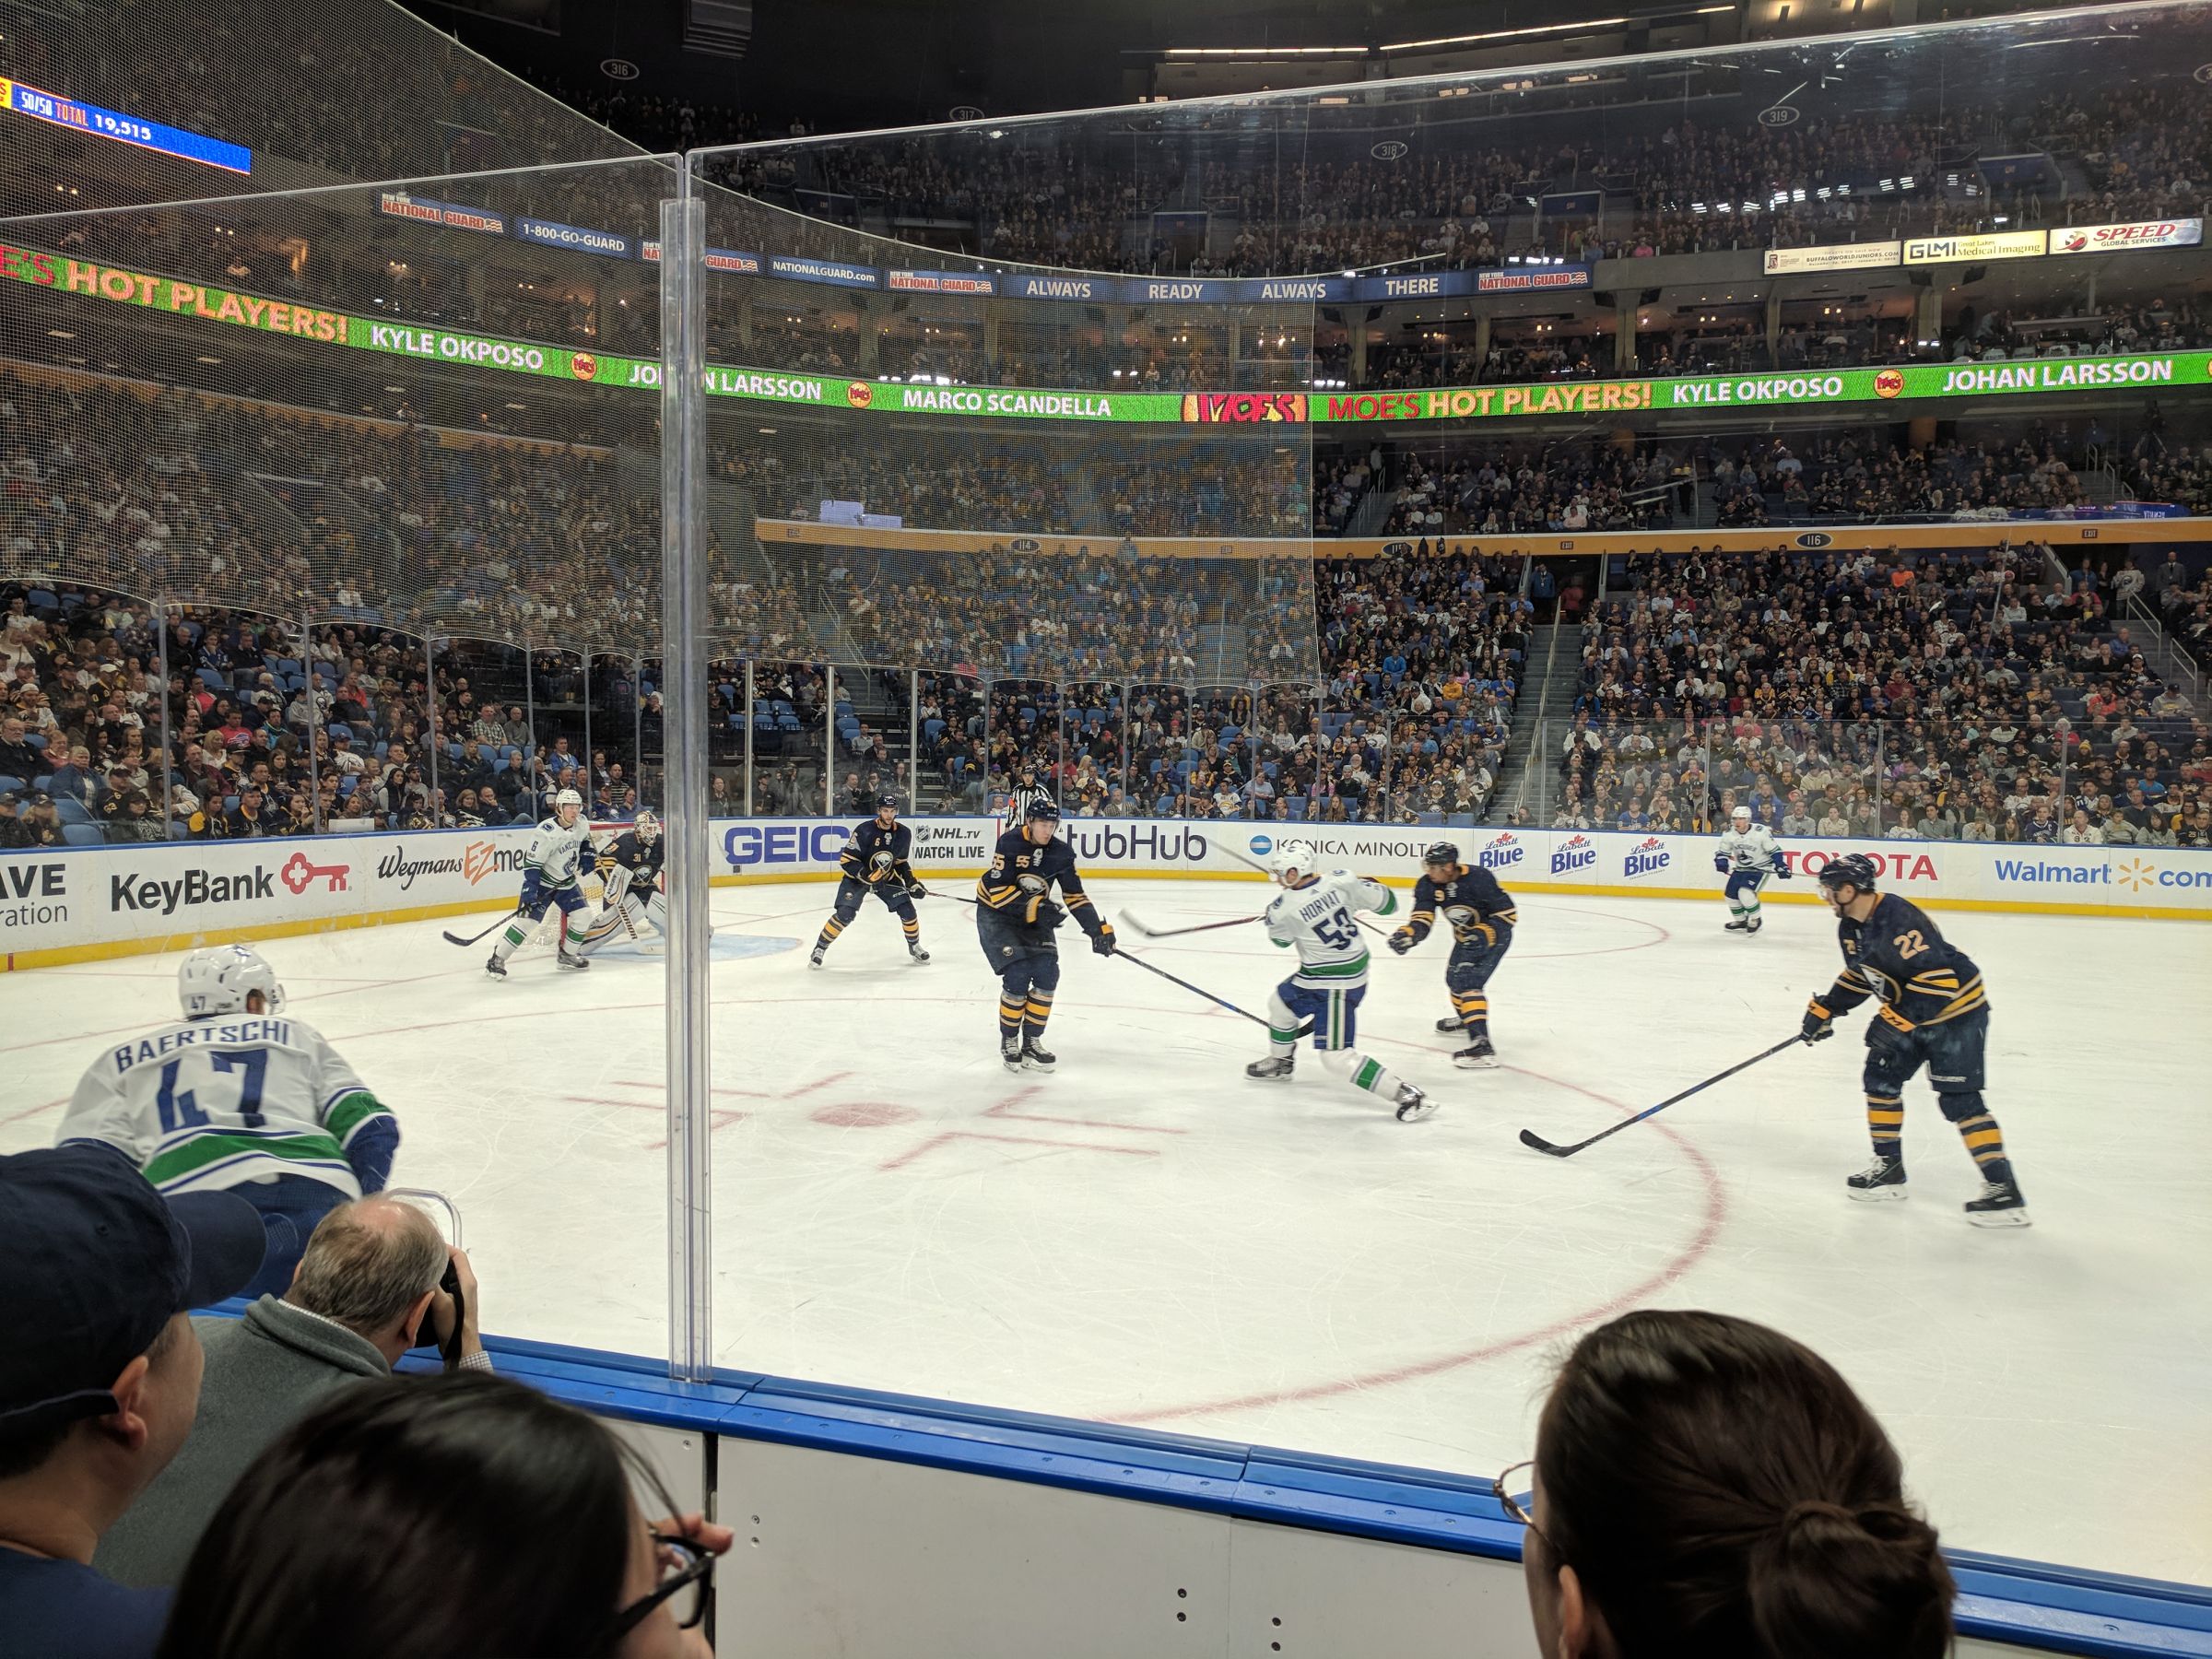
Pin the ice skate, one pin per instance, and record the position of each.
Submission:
(1037, 1058)
(1478, 1056)
(814, 957)
(1275, 1068)
(1738, 925)
(565, 959)
(1754, 925)
(1884, 1178)
(914, 951)
(1454, 1024)
(1413, 1105)
(493, 966)
(1999, 1206)
(1009, 1053)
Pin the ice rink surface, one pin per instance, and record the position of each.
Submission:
(1149, 1238)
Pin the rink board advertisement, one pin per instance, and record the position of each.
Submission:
(75, 903)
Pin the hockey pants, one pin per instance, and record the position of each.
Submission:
(1467, 974)
(1335, 1011)
(1953, 1054)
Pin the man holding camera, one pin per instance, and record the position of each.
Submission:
(372, 1283)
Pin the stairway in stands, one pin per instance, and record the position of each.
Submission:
(1546, 692)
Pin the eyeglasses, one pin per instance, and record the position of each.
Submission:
(687, 1586)
(1501, 1488)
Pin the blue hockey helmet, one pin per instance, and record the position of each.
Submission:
(1043, 806)
(1854, 869)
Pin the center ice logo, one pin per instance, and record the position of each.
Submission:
(1576, 853)
(1501, 852)
(1645, 856)
(1261, 846)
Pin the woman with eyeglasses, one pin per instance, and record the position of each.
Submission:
(1705, 1487)
(441, 1516)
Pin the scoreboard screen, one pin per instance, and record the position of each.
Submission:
(97, 122)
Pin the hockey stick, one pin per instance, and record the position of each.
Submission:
(1219, 1002)
(479, 938)
(1530, 1138)
(1124, 956)
(1136, 923)
(1253, 863)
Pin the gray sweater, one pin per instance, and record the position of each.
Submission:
(265, 1371)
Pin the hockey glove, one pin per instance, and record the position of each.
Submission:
(1102, 941)
(531, 892)
(914, 889)
(1720, 862)
(1783, 871)
(1402, 941)
(1888, 1030)
(1819, 1024)
(1045, 914)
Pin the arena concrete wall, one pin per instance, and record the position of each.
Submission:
(77, 903)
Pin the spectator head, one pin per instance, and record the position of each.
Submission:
(99, 1374)
(1705, 1485)
(455, 1476)
(372, 1265)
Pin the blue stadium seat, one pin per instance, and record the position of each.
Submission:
(212, 678)
(82, 835)
(1295, 806)
(70, 810)
(179, 829)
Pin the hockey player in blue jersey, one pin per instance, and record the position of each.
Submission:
(874, 861)
(1480, 915)
(1932, 1012)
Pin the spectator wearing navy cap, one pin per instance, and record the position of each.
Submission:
(100, 1377)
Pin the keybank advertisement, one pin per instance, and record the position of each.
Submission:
(172, 895)
(196, 303)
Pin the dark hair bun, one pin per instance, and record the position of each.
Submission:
(1832, 1583)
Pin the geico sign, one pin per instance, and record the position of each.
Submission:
(1897, 865)
(747, 844)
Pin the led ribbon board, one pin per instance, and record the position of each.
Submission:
(52, 107)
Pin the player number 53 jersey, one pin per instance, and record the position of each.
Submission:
(1320, 921)
(206, 1104)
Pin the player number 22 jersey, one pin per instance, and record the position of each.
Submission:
(209, 1104)
(1320, 921)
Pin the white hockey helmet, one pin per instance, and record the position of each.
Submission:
(1292, 858)
(647, 825)
(218, 978)
(1742, 814)
(568, 797)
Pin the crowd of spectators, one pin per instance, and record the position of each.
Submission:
(1520, 488)
(1911, 695)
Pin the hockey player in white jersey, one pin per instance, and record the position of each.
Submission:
(1315, 914)
(1747, 855)
(238, 1095)
(552, 874)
